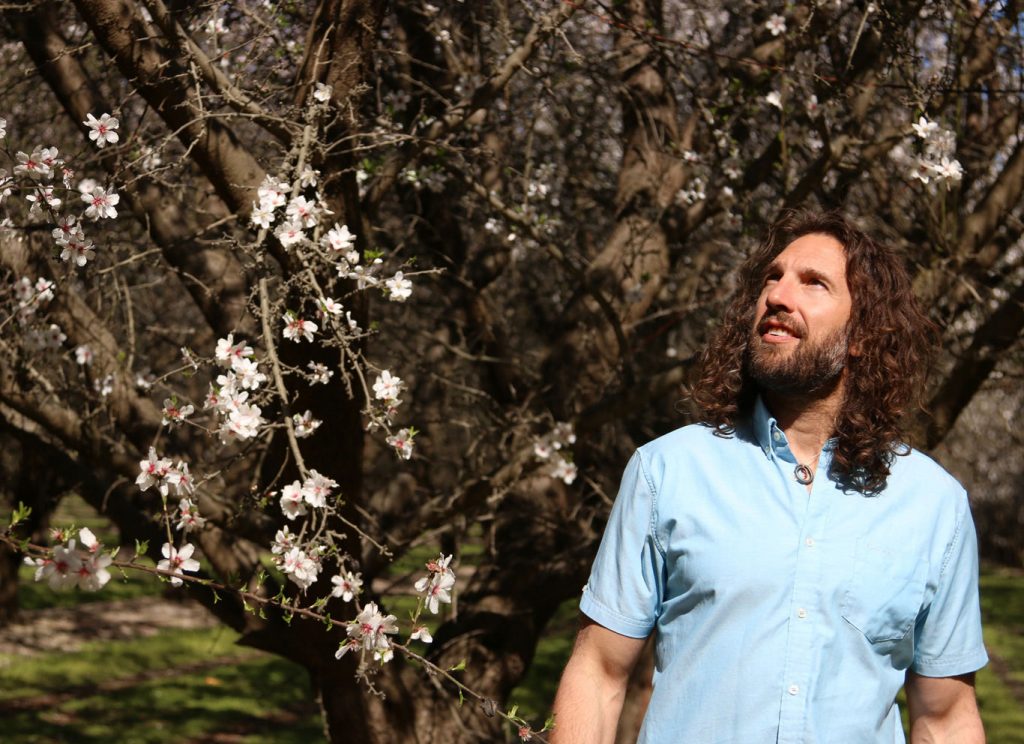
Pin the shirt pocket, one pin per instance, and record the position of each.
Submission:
(885, 591)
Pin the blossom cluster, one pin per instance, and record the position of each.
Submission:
(314, 492)
(933, 156)
(30, 297)
(160, 473)
(437, 585)
(369, 631)
(553, 448)
(240, 418)
(68, 566)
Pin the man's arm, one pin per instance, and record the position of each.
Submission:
(943, 710)
(593, 685)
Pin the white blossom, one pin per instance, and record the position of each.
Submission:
(103, 131)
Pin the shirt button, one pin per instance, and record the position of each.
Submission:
(793, 689)
(777, 436)
(801, 613)
(809, 542)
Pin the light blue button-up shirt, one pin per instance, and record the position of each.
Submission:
(782, 615)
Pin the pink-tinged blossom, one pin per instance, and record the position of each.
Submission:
(102, 131)
(421, 633)
(776, 24)
(177, 560)
(440, 591)
(272, 193)
(261, 216)
(292, 502)
(35, 164)
(101, 203)
(54, 337)
(346, 586)
(44, 289)
(303, 212)
(339, 239)
(248, 373)
(317, 488)
(67, 228)
(295, 327)
(387, 386)
(564, 470)
(319, 373)
(92, 573)
(83, 355)
(243, 422)
(399, 288)
(228, 351)
(65, 567)
(948, 170)
(284, 541)
(300, 567)
(437, 585)
(153, 472)
(304, 424)
(78, 251)
(362, 275)
(175, 413)
(369, 631)
(402, 441)
(42, 195)
(289, 234)
(181, 479)
(24, 292)
(188, 517)
(330, 306)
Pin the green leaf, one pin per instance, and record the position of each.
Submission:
(20, 514)
(458, 667)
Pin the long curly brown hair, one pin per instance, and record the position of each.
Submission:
(894, 337)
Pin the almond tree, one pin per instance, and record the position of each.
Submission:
(386, 275)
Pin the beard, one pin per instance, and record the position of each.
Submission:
(813, 368)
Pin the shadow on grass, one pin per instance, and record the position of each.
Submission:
(262, 698)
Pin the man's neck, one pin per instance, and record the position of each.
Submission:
(808, 420)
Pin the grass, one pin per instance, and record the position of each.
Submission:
(166, 688)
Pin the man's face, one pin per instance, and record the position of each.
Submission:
(799, 342)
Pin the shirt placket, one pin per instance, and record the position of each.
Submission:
(804, 609)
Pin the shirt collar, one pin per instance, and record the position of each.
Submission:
(770, 436)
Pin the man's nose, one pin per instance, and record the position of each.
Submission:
(780, 294)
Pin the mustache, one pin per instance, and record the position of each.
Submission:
(783, 319)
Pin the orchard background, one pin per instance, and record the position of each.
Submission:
(347, 314)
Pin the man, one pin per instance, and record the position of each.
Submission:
(796, 563)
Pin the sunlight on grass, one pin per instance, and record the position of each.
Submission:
(20, 676)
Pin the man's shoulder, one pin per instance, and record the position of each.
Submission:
(915, 470)
(692, 438)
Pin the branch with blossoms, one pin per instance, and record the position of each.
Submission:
(81, 562)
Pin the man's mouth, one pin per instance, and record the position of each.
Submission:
(775, 331)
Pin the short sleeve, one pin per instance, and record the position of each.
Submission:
(625, 587)
(948, 638)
